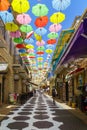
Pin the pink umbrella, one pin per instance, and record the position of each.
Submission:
(23, 18)
(55, 27)
(15, 34)
(40, 43)
(30, 50)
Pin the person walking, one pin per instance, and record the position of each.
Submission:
(54, 95)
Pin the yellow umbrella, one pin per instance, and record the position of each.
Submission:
(38, 37)
(29, 46)
(20, 6)
(40, 58)
(57, 17)
(49, 51)
(11, 27)
(23, 54)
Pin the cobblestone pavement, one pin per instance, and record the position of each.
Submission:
(39, 113)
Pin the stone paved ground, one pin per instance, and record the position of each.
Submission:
(39, 113)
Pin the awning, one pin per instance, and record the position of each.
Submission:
(3, 67)
(76, 71)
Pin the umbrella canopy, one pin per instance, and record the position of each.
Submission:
(40, 43)
(15, 34)
(29, 34)
(40, 48)
(37, 37)
(51, 41)
(11, 27)
(49, 51)
(22, 50)
(23, 18)
(57, 17)
(20, 6)
(18, 40)
(29, 46)
(30, 50)
(40, 58)
(41, 31)
(55, 27)
(41, 21)
(4, 5)
(40, 52)
(20, 46)
(6, 16)
(52, 35)
(60, 4)
(26, 28)
(40, 10)
(28, 41)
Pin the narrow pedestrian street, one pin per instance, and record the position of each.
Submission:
(39, 113)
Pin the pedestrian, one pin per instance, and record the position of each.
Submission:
(54, 93)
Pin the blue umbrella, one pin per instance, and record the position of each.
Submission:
(6, 16)
(60, 4)
(50, 46)
(29, 41)
(22, 50)
(41, 31)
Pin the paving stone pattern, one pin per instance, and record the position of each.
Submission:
(39, 113)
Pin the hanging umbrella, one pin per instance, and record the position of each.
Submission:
(37, 37)
(15, 34)
(29, 46)
(11, 27)
(26, 28)
(57, 17)
(51, 41)
(49, 51)
(40, 58)
(49, 46)
(20, 46)
(18, 40)
(30, 50)
(41, 31)
(55, 27)
(22, 50)
(4, 5)
(40, 43)
(52, 35)
(29, 34)
(23, 18)
(6, 16)
(40, 10)
(40, 48)
(41, 21)
(20, 6)
(60, 4)
(28, 41)
(23, 55)
(40, 52)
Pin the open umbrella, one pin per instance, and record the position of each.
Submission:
(40, 43)
(51, 41)
(57, 17)
(52, 35)
(29, 46)
(40, 48)
(11, 27)
(49, 51)
(30, 50)
(26, 28)
(28, 41)
(20, 6)
(4, 5)
(41, 21)
(40, 10)
(15, 34)
(41, 31)
(6, 16)
(23, 18)
(60, 4)
(22, 50)
(55, 27)
(40, 58)
(18, 40)
(29, 34)
(40, 52)
(37, 37)
(20, 46)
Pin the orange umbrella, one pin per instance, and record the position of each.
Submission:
(4, 5)
(41, 21)
(51, 41)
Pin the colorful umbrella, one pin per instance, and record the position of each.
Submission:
(40, 10)
(20, 6)
(40, 52)
(49, 51)
(6, 16)
(40, 43)
(41, 21)
(28, 41)
(18, 40)
(60, 4)
(20, 46)
(22, 50)
(29, 34)
(55, 27)
(37, 37)
(52, 35)
(23, 18)
(30, 50)
(41, 31)
(40, 48)
(29, 46)
(23, 55)
(15, 34)
(49, 46)
(40, 58)
(11, 27)
(51, 41)
(57, 17)
(26, 28)
(4, 5)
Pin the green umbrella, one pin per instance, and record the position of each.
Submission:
(40, 48)
(18, 40)
(40, 10)
(40, 63)
(26, 28)
(52, 35)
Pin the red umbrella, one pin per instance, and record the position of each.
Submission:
(51, 41)
(41, 21)
(40, 52)
(29, 34)
(20, 46)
